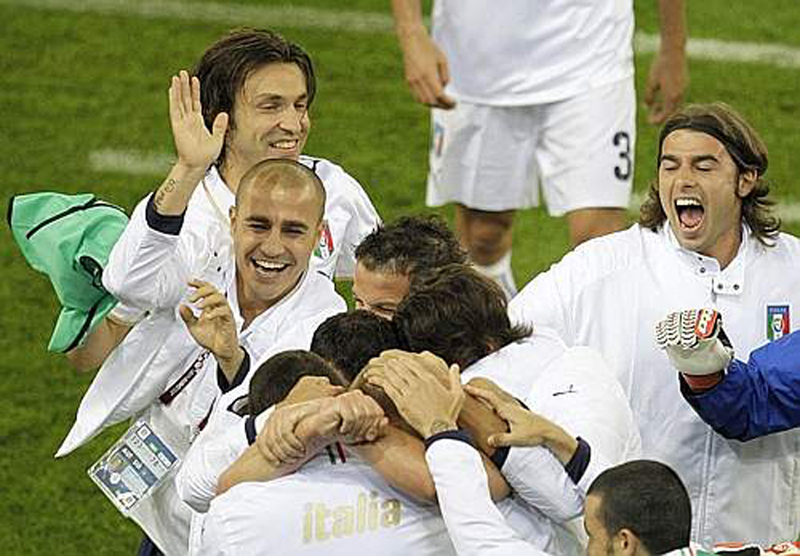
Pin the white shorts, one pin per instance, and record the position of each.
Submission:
(494, 157)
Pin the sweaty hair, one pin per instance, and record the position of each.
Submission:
(457, 314)
(409, 244)
(349, 340)
(284, 172)
(226, 65)
(649, 499)
(746, 149)
(276, 377)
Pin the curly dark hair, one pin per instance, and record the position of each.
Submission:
(457, 314)
(745, 148)
(225, 66)
(409, 244)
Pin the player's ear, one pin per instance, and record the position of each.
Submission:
(625, 543)
(747, 181)
(232, 217)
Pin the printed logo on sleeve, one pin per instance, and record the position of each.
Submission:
(324, 248)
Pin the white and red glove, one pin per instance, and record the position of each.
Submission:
(695, 342)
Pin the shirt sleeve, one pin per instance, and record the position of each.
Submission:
(541, 480)
(755, 398)
(152, 261)
(363, 220)
(214, 450)
(214, 537)
(543, 303)
(475, 525)
(581, 394)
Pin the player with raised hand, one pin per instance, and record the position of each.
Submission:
(739, 400)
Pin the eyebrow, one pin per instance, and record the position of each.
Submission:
(695, 159)
(294, 224)
(266, 97)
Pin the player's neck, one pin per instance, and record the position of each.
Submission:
(231, 173)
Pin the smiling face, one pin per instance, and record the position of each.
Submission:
(700, 189)
(275, 227)
(379, 292)
(271, 118)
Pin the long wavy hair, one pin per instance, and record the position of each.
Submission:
(745, 148)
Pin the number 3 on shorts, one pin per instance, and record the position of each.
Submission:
(622, 140)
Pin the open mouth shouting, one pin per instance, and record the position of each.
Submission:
(690, 212)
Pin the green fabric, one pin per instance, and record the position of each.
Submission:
(69, 238)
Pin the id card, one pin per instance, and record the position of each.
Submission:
(133, 467)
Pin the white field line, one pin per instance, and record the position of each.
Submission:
(141, 163)
(779, 55)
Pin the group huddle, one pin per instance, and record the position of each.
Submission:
(437, 417)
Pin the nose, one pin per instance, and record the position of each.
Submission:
(293, 119)
(271, 244)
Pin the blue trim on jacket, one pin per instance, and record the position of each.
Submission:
(756, 398)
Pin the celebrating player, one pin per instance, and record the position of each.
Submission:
(706, 237)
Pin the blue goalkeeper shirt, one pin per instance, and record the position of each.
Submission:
(755, 398)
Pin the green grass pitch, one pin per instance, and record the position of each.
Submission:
(77, 78)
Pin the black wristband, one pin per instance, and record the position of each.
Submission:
(250, 429)
(500, 456)
(579, 461)
(166, 224)
(459, 434)
(244, 368)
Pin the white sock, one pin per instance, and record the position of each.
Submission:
(500, 272)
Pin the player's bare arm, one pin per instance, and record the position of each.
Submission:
(669, 73)
(99, 344)
(196, 146)
(425, 64)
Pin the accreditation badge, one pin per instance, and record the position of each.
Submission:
(136, 465)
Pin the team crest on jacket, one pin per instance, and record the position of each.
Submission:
(778, 324)
(437, 141)
(325, 246)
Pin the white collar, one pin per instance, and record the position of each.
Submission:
(727, 281)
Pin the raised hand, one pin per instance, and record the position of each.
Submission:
(197, 147)
(694, 341)
(215, 328)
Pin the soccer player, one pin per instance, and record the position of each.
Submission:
(525, 92)
(389, 258)
(258, 296)
(333, 504)
(637, 508)
(706, 237)
(346, 340)
(739, 400)
(258, 88)
(461, 316)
